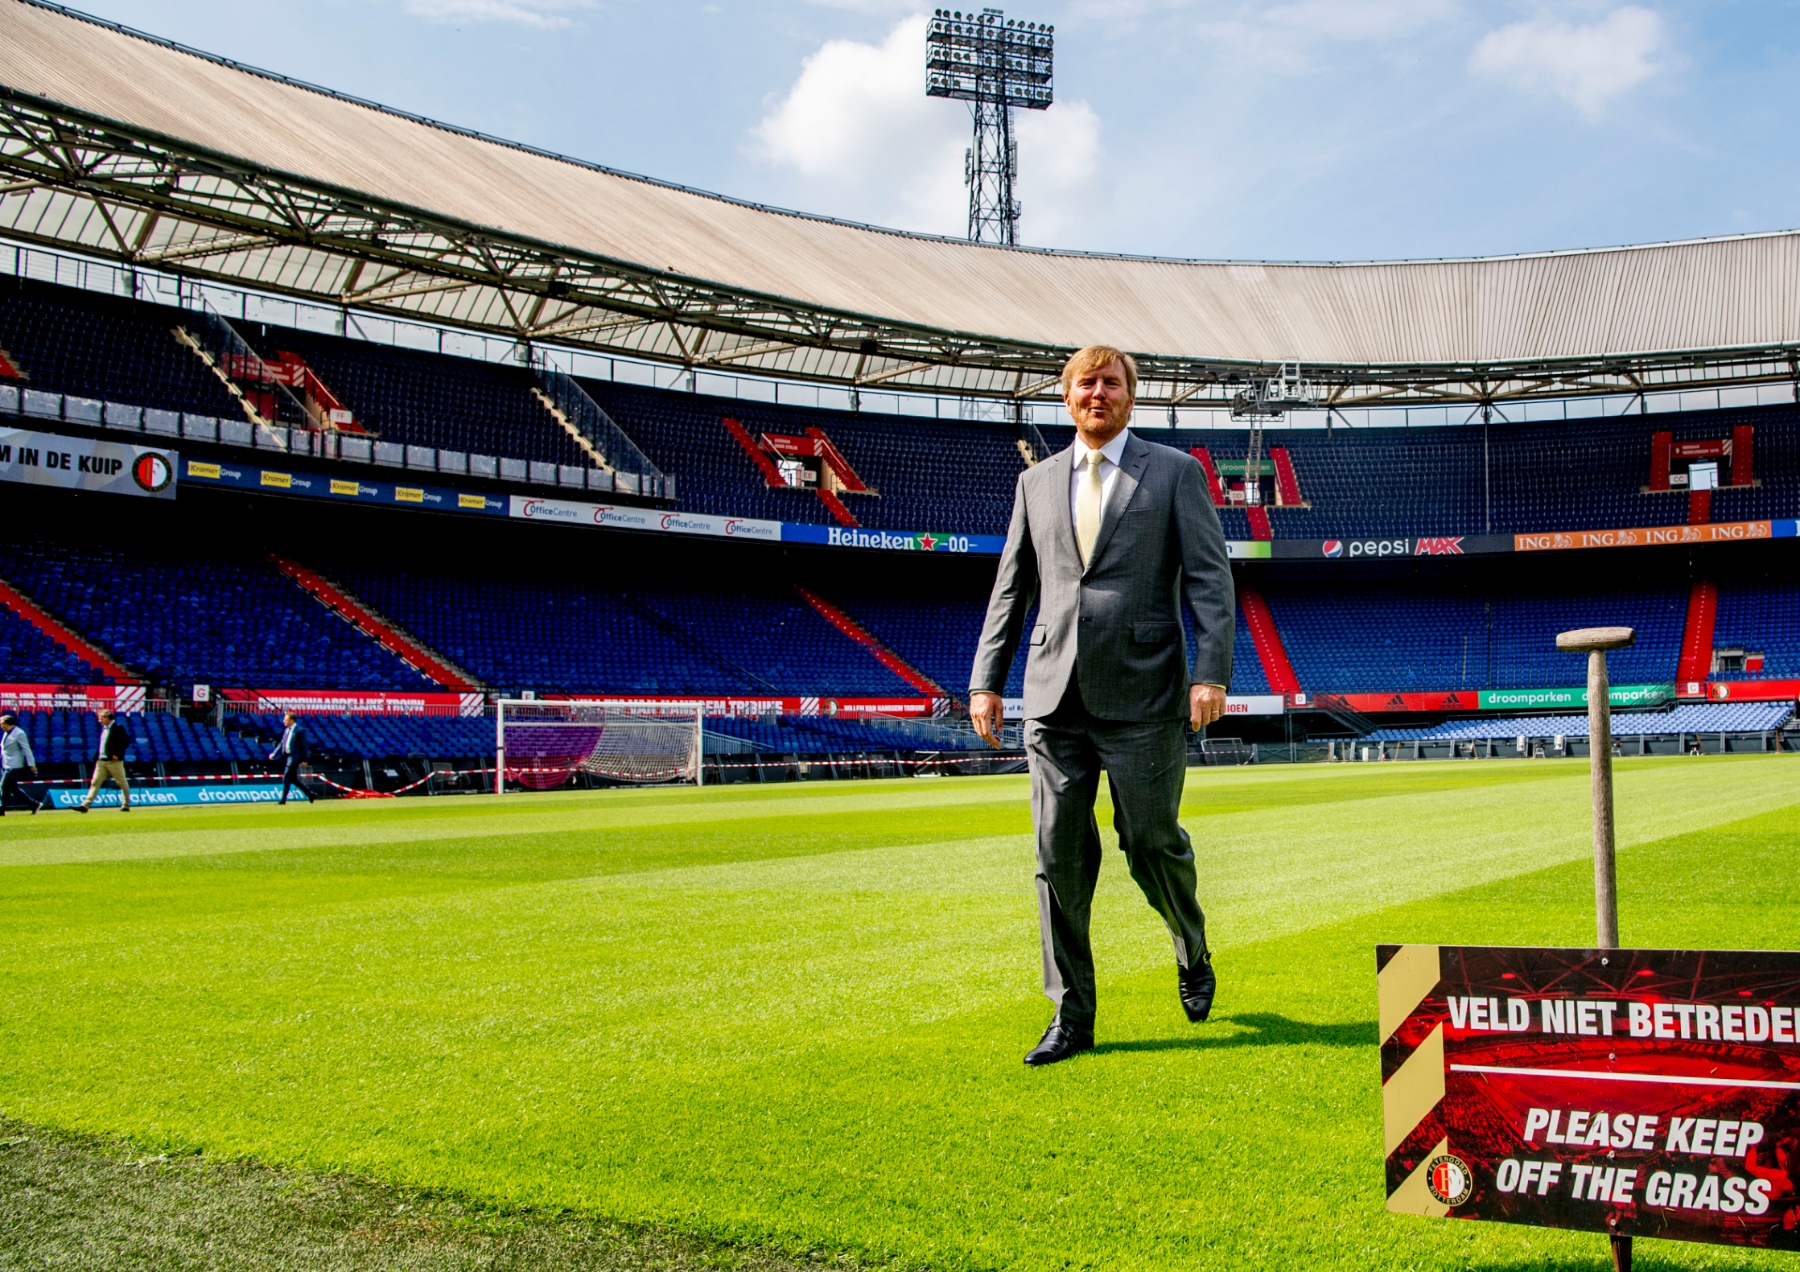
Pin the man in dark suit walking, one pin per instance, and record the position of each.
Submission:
(291, 750)
(1110, 538)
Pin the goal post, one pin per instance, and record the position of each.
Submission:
(539, 744)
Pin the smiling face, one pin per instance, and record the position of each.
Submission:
(1099, 401)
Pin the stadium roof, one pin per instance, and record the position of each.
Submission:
(117, 144)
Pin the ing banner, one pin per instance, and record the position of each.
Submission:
(1650, 1093)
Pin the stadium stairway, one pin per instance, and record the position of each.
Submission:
(402, 644)
(862, 636)
(569, 426)
(1697, 635)
(1269, 650)
(66, 637)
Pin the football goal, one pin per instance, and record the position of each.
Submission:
(539, 745)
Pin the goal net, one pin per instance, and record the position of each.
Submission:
(541, 745)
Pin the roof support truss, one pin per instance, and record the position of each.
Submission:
(98, 187)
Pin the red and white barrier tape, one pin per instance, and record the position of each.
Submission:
(518, 774)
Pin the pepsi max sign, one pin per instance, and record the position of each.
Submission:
(1355, 549)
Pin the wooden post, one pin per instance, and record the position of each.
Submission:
(1595, 641)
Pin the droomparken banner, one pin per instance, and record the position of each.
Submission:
(1651, 1093)
(1534, 699)
(205, 794)
(86, 463)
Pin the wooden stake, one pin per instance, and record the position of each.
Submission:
(1606, 889)
(1595, 641)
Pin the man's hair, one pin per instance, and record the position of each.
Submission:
(1093, 358)
(105, 713)
(9, 718)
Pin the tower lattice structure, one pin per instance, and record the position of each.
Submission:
(997, 65)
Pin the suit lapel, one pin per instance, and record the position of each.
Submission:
(1063, 515)
(1137, 454)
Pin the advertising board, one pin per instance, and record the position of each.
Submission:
(355, 702)
(205, 795)
(121, 698)
(1535, 699)
(1655, 536)
(1649, 1093)
(86, 463)
(685, 705)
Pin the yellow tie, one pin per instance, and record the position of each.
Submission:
(1087, 507)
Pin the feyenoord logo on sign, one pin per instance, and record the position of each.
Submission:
(152, 471)
(1448, 1180)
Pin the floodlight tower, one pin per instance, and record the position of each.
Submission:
(993, 63)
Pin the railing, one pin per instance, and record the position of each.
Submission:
(632, 471)
(235, 362)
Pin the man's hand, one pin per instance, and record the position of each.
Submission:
(987, 713)
(1206, 703)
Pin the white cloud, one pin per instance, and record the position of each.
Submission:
(865, 142)
(1588, 66)
(532, 13)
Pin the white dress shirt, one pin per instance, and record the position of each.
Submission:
(1113, 451)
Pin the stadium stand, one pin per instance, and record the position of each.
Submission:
(429, 399)
(72, 737)
(373, 737)
(938, 635)
(71, 341)
(1760, 618)
(1563, 475)
(202, 616)
(927, 474)
(1409, 635)
(30, 657)
(559, 637)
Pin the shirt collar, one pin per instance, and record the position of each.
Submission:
(1113, 450)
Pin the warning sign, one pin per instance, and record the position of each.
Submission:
(1645, 1093)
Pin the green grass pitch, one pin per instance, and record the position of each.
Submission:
(793, 1016)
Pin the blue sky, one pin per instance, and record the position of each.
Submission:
(1306, 129)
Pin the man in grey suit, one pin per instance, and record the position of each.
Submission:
(1110, 538)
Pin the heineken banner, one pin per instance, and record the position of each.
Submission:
(85, 463)
(1534, 699)
(1651, 1093)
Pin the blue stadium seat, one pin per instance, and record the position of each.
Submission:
(202, 616)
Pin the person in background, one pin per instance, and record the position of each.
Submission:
(15, 754)
(291, 751)
(115, 740)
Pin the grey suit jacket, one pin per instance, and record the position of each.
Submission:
(1116, 625)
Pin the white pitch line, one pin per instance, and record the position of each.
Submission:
(1590, 1075)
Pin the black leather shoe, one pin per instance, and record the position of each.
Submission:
(1197, 986)
(1059, 1042)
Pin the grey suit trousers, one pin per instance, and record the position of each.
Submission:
(1146, 764)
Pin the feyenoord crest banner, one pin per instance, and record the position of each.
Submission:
(82, 463)
(1650, 1093)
